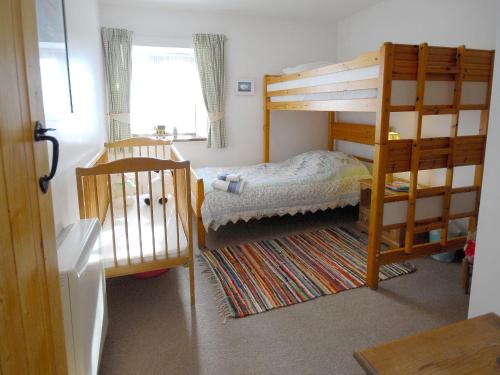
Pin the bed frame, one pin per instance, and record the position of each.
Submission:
(95, 196)
(398, 62)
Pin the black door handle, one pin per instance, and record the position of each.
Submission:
(40, 135)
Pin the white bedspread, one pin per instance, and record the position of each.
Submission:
(308, 182)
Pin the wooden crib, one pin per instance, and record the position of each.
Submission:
(139, 235)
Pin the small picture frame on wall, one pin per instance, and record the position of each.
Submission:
(245, 87)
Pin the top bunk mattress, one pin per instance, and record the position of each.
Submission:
(308, 182)
(370, 72)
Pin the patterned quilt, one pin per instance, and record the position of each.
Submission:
(308, 182)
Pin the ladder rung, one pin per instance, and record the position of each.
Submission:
(462, 215)
(402, 108)
(439, 110)
(429, 192)
(465, 189)
(428, 227)
(437, 70)
(400, 254)
(432, 223)
(435, 152)
(421, 193)
(473, 107)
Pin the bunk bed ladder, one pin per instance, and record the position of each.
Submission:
(421, 110)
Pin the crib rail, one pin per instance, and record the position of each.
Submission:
(138, 147)
(142, 237)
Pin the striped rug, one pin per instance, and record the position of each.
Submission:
(265, 275)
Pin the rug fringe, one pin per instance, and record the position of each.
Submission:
(221, 300)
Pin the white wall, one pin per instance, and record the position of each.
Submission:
(255, 46)
(438, 22)
(485, 295)
(82, 133)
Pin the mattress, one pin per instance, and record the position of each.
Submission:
(303, 67)
(316, 180)
(334, 95)
(148, 228)
(345, 76)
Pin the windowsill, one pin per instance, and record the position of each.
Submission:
(179, 138)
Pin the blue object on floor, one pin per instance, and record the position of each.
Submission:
(435, 236)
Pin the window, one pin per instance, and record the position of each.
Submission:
(165, 90)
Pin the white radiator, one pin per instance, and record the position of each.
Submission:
(83, 293)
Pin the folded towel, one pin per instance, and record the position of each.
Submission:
(233, 177)
(229, 186)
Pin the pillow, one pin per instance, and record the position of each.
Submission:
(304, 67)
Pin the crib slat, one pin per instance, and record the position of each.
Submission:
(114, 153)
(147, 149)
(164, 204)
(112, 218)
(96, 196)
(138, 213)
(124, 197)
(156, 151)
(88, 202)
(81, 200)
(176, 213)
(152, 213)
(140, 150)
(164, 151)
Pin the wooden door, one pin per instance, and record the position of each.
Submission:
(31, 326)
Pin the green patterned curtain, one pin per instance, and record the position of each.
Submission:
(209, 53)
(117, 45)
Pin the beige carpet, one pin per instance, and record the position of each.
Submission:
(153, 330)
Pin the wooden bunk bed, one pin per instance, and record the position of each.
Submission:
(365, 84)
(137, 237)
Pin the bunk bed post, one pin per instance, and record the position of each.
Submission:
(415, 151)
(267, 122)
(457, 97)
(483, 130)
(331, 122)
(379, 164)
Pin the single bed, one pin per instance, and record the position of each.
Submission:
(312, 181)
(316, 180)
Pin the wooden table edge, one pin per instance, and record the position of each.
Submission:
(369, 369)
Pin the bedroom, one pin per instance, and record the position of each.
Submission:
(152, 328)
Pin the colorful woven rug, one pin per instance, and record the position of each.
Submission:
(265, 275)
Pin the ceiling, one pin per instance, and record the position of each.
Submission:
(297, 9)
